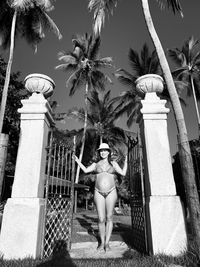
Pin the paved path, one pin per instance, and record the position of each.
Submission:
(85, 237)
(88, 250)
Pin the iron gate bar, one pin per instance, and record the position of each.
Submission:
(58, 204)
(143, 188)
(46, 188)
(72, 189)
(137, 199)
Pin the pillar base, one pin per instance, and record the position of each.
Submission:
(166, 227)
(22, 228)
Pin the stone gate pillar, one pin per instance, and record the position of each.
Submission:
(23, 217)
(166, 232)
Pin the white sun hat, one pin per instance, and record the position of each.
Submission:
(104, 146)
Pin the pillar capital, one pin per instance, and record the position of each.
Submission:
(36, 107)
(153, 108)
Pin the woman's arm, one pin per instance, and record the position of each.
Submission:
(118, 169)
(83, 168)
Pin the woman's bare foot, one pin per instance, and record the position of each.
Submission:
(107, 247)
(100, 247)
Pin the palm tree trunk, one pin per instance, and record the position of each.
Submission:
(3, 151)
(195, 102)
(8, 71)
(184, 151)
(84, 134)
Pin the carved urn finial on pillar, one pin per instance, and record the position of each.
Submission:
(150, 83)
(40, 84)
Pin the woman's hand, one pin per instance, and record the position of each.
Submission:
(75, 157)
(126, 158)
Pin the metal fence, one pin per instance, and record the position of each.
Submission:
(195, 150)
(59, 196)
(137, 200)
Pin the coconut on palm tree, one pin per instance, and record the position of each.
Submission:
(187, 60)
(84, 65)
(100, 7)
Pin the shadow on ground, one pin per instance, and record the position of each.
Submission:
(88, 223)
(59, 258)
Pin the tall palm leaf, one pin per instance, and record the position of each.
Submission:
(188, 61)
(101, 119)
(145, 63)
(27, 19)
(103, 116)
(84, 66)
(100, 7)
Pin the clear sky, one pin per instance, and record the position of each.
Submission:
(125, 29)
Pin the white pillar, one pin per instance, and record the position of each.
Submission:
(166, 232)
(23, 218)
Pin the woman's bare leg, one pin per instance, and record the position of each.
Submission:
(110, 204)
(101, 211)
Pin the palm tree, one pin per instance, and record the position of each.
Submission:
(29, 19)
(102, 116)
(100, 8)
(84, 66)
(188, 61)
(129, 102)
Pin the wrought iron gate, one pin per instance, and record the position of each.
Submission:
(137, 200)
(59, 196)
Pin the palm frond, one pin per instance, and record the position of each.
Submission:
(99, 80)
(154, 64)
(50, 24)
(77, 114)
(173, 4)
(134, 61)
(179, 72)
(177, 56)
(93, 50)
(100, 8)
(124, 80)
(75, 81)
(103, 62)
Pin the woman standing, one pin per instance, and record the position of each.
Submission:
(105, 193)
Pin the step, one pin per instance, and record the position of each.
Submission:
(88, 250)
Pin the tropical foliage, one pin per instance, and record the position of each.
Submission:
(27, 19)
(84, 66)
(101, 120)
(12, 118)
(187, 60)
(102, 7)
(129, 102)
(145, 63)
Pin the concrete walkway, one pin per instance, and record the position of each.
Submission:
(85, 237)
(88, 250)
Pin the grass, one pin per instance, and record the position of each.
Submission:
(137, 260)
(132, 258)
(191, 258)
